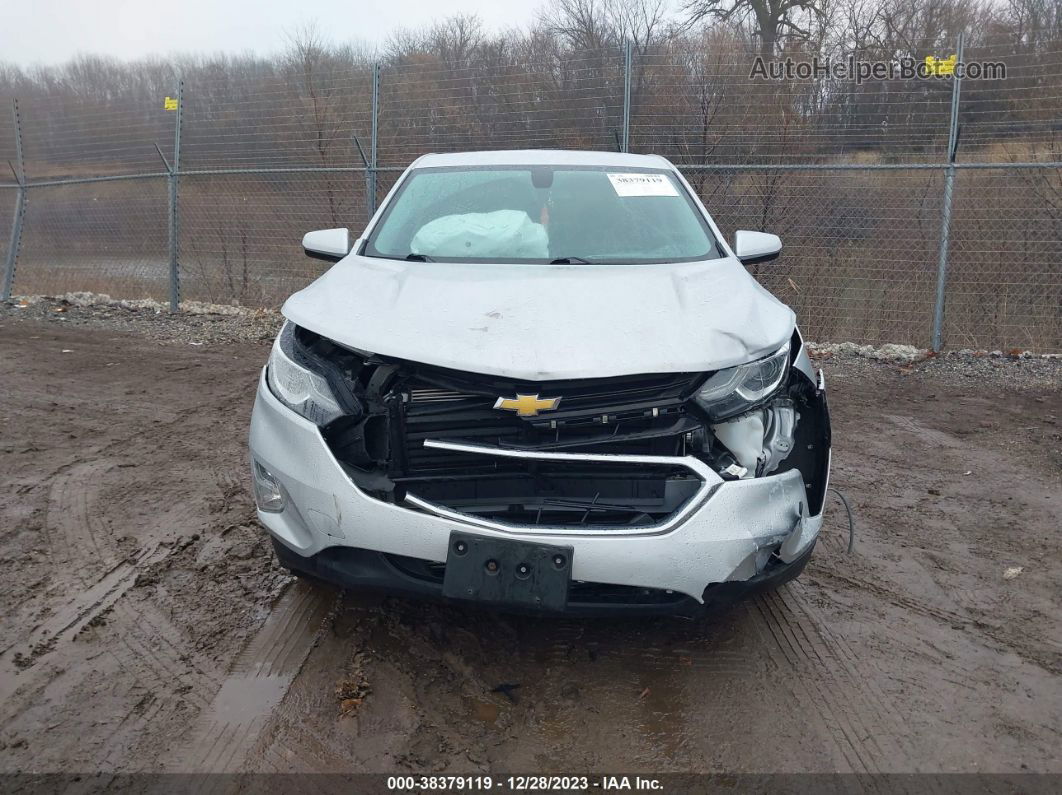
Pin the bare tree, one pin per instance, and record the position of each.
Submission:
(1026, 24)
(598, 24)
(772, 19)
(456, 39)
(580, 24)
(917, 28)
(308, 58)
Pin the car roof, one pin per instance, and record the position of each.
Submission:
(545, 157)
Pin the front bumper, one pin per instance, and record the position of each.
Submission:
(740, 531)
(348, 567)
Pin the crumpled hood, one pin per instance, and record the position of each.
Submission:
(545, 322)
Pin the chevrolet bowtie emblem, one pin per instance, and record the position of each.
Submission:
(527, 405)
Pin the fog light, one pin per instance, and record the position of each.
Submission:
(268, 493)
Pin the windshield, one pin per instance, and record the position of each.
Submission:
(537, 214)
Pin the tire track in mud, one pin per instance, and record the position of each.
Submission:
(841, 649)
(85, 560)
(813, 684)
(88, 578)
(716, 649)
(121, 443)
(657, 677)
(99, 662)
(258, 681)
(170, 687)
(147, 650)
(69, 620)
(897, 599)
(844, 704)
(966, 614)
(87, 565)
(775, 640)
(76, 530)
(310, 754)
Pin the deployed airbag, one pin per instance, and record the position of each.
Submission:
(500, 234)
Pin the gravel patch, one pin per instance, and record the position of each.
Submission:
(196, 324)
(977, 369)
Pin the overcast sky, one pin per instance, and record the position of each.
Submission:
(52, 31)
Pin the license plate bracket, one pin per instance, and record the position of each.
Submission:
(508, 572)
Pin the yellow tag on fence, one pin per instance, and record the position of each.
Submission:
(170, 104)
(941, 66)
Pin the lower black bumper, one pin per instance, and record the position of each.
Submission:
(352, 568)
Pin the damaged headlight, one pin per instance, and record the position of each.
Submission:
(737, 389)
(300, 389)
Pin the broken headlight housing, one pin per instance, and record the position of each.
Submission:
(300, 389)
(738, 389)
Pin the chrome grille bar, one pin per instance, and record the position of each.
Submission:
(708, 477)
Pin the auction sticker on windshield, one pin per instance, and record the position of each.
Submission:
(642, 185)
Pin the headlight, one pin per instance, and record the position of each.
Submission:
(738, 389)
(301, 390)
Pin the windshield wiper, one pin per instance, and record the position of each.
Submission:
(419, 258)
(569, 261)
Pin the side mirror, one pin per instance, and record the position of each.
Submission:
(752, 247)
(330, 245)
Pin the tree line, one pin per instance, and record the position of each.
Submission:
(559, 81)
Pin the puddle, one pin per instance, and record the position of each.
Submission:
(258, 682)
(243, 698)
(484, 711)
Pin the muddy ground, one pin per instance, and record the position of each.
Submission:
(144, 625)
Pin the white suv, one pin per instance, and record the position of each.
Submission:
(542, 380)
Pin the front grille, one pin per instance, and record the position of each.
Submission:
(629, 416)
(433, 395)
(635, 415)
(573, 492)
(633, 433)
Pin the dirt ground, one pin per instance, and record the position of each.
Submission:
(144, 625)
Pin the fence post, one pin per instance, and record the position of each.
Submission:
(20, 205)
(175, 271)
(949, 194)
(626, 147)
(370, 171)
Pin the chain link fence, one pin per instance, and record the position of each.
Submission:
(206, 196)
